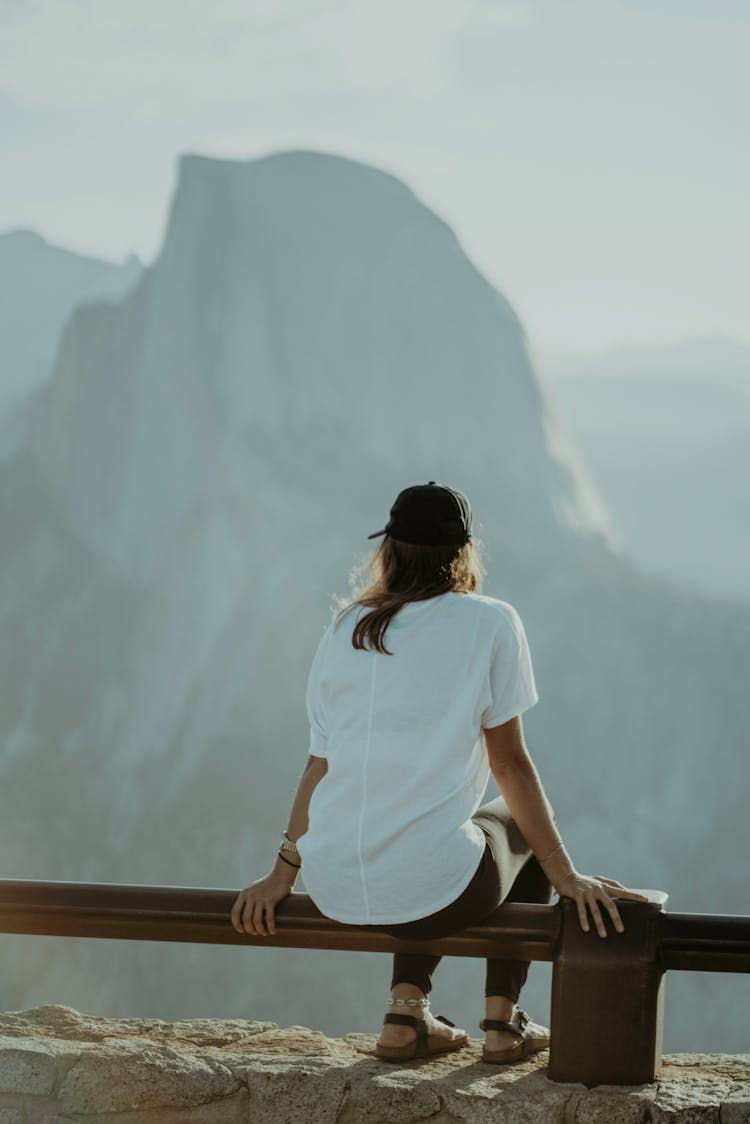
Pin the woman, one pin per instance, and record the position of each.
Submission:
(404, 732)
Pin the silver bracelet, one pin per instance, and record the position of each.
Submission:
(549, 856)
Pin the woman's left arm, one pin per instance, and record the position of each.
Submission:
(263, 895)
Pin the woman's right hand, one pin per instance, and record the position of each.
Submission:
(589, 893)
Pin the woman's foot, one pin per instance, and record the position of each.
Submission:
(498, 1007)
(394, 1034)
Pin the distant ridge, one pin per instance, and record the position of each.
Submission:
(40, 284)
(712, 356)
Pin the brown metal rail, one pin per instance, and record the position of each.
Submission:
(700, 942)
(607, 994)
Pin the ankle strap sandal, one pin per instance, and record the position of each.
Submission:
(531, 1038)
(424, 1044)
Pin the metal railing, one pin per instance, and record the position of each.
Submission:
(607, 994)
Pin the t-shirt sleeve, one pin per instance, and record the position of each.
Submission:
(512, 686)
(318, 746)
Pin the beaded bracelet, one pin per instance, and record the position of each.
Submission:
(288, 844)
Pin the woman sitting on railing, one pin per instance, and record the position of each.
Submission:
(386, 821)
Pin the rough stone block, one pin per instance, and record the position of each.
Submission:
(27, 1066)
(529, 1099)
(395, 1098)
(690, 1102)
(291, 1090)
(613, 1104)
(736, 1111)
(228, 1110)
(131, 1074)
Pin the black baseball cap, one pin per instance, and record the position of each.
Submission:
(429, 514)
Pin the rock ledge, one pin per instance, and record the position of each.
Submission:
(59, 1066)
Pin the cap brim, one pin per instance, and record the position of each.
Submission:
(375, 534)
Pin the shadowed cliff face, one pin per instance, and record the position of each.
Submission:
(200, 473)
(40, 284)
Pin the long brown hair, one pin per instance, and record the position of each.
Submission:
(406, 572)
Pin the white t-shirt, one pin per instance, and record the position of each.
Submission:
(390, 836)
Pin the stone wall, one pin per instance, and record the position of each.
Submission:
(58, 1066)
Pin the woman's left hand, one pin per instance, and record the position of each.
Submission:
(256, 899)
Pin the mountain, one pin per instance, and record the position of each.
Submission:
(40, 285)
(197, 479)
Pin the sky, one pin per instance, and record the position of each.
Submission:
(591, 155)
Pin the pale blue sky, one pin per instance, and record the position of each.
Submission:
(591, 154)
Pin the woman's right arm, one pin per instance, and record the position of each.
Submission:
(519, 782)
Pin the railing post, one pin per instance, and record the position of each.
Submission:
(607, 1013)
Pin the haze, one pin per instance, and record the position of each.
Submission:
(589, 154)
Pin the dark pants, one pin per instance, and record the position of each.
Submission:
(508, 871)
